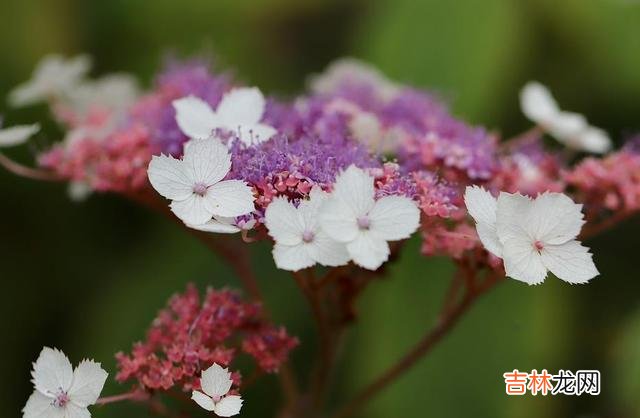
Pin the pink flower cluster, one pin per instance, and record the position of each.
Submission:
(190, 335)
(117, 164)
(406, 138)
(608, 184)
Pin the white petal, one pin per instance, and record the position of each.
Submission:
(338, 220)
(309, 209)
(595, 140)
(228, 406)
(53, 76)
(203, 400)
(351, 70)
(489, 238)
(283, 222)
(570, 262)
(76, 411)
(195, 117)
(220, 226)
(241, 106)
(368, 250)
(537, 103)
(512, 211)
(230, 198)
(170, 178)
(354, 187)
(88, 381)
(52, 371)
(208, 160)
(394, 218)
(192, 211)
(254, 134)
(40, 406)
(216, 381)
(292, 257)
(554, 218)
(481, 205)
(522, 262)
(25, 94)
(17, 135)
(327, 251)
(567, 127)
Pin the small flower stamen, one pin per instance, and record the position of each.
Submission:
(200, 189)
(364, 222)
(308, 236)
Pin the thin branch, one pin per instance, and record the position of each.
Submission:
(447, 320)
(594, 229)
(136, 395)
(313, 293)
(28, 172)
(237, 257)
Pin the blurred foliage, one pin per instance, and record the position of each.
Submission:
(89, 278)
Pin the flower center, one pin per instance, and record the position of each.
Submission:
(200, 189)
(538, 245)
(216, 398)
(364, 222)
(308, 236)
(61, 399)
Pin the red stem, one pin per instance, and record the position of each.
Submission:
(449, 317)
(129, 396)
(28, 172)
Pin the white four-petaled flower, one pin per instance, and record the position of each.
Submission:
(240, 111)
(60, 391)
(352, 216)
(300, 242)
(569, 128)
(54, 76)
(195, 186)
(532, 236)
(17, 135)
(216, 383)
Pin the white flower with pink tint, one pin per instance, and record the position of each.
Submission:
(569, 128)
(532, 236)
(54, 76)
(352, 216)
(300, 242)
(216, 383)
(240, 111)
(60, 391)
(17, 135)
(195, 183)
(346, 71)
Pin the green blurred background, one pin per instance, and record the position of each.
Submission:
(88, 278)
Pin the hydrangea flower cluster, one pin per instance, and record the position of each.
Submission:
(609, 184)
(191, 334)
(337, 177)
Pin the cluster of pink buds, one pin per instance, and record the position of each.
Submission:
(611, 183)
(190, 335)
(292, 185)
(118, 165)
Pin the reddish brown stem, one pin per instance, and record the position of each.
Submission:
(594, 229)
(237, 257)
(447, 320)
(129, 396)
(28, 172)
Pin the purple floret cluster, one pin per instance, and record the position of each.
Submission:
(179, 79)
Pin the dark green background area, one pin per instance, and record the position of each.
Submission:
(88, 278)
